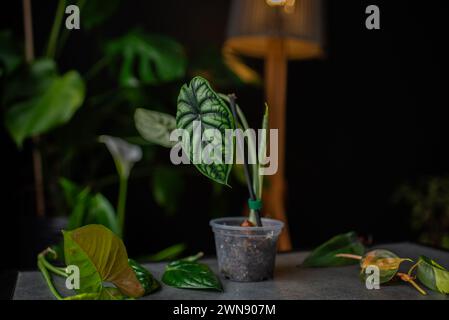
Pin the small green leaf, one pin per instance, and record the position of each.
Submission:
(101, 257)
(433, 275)
(190, 275)
(156, 59)
(324, 255)
(145, 278)
(155, 126)
(387, 262)
(199, 104)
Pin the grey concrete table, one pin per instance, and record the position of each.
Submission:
(290, 282)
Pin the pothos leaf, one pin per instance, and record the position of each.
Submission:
(146, 279)
(155, 126)
(433, 275)
(101, 257)
(206, 117)
(386, 261)
(324, 255)
(190, 275)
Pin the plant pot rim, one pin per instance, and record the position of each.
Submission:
(273, 224)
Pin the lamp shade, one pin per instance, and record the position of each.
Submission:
(299, 23)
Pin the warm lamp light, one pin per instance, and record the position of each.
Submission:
(276, 30)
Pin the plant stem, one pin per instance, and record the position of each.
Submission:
(194, 258)
(28, 28)
(407, 278)
(121, 205)
(252, 195)
(42, 258)
(48, 280)
(52, 41)
(36, 154)
(349, 256)
(251, 150)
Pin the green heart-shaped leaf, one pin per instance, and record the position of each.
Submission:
(145, 278)
(155, 126)
(190, 275)
(206, 117)
(433, 275)
(324, 255)
(387, 262)
(101, 257)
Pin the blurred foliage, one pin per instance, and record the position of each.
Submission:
(157, 59)
(429, 203)
(41, 100)
(10, 57)
(72, 108)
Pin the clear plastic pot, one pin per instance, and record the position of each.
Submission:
(246, 253)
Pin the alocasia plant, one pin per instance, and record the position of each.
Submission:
(101, 257)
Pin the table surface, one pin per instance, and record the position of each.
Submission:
(290, 282)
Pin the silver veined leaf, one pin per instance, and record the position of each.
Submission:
(155, 126)
(206, 117)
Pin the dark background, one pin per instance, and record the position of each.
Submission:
(367, 118)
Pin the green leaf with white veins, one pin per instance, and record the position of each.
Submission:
(199, 110)
(155, 126)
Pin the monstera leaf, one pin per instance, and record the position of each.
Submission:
(156, 59)
(206, 117)
(433, 275)
(101, 257)
(155, 126)
(42, 100)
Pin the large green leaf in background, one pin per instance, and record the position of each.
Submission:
(198, 102)
(155, 126)
(101, 257)
(324, 255)
(433, 275)
(156, 58)
(43, 102)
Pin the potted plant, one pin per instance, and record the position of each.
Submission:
(207, 122)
